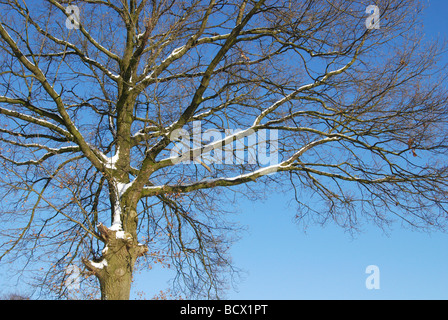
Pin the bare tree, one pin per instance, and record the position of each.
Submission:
(97, 96)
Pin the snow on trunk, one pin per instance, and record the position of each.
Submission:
(110, 162)
(116, 219)
(119, 189)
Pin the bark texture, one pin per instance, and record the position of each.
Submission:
(114, 269)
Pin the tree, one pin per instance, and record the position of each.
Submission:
(104, 105)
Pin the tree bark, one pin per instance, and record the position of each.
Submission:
(115, 284)
(115, 268)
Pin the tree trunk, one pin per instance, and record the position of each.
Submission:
(115, 268)
(115, 283)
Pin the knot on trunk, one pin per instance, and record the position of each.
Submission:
(109, 234)
(120, 248)
(119, 238)
(96, 267)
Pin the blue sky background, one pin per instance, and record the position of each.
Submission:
(282, 262)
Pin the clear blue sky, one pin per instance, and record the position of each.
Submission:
(326, 263)
(282, 262)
